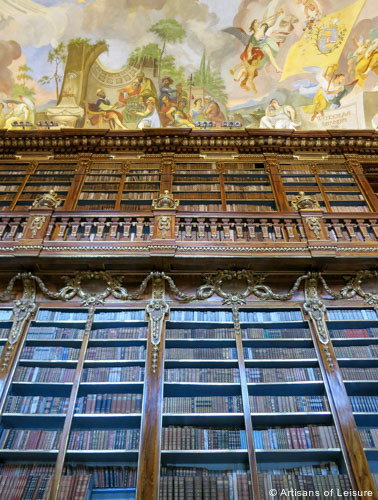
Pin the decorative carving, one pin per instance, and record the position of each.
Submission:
(315, 307)
(164, 225)
(47, 200)
(214, 285)
(22, 310)
(90, 317)
(220, 167)
(165, 201)
(305, 202)
(236, 319)
(37, 224)
(74, 287)
(254, 285)
(353, 287)
(238, 142)
(314, 226)
(156, 310)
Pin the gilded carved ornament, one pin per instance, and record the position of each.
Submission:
(47, 200)
(305, 202)
(165, 202)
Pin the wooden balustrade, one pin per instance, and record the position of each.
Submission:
(308, 229)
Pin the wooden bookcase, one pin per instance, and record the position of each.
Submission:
(262, 391)
(132, 365)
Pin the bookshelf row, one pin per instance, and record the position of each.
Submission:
(204, 444)
(243, 187)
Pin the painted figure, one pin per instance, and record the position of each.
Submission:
(311, 8)
(182, 95)
(249, 71)
(18, 112)
(181, 119)
(150, 116)
(110, 114)
(279, 116)
(258, 39)
(213, 112)
(165, 89)
(197, 111)
(331, 90)
(166, 111)
(364, 59)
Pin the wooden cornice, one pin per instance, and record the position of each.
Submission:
(15, 143)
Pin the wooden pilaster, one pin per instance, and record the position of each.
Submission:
(350, 442)
(152, 411)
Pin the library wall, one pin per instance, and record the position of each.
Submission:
(260, 381)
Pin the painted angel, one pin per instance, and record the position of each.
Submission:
(260, 49)
(365, 57)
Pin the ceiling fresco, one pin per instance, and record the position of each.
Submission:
(134, 64)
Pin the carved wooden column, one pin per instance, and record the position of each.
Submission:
(246, 405)
(150, 437)
(82, 168)
(350, 443)
(272, 167)
(221, 167)
(23, 310)
(167, 169)
(356, 169)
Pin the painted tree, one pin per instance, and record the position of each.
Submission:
(168, 31)
(211, 79)
(23, 74)
(57, 57)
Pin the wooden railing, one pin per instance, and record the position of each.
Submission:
(308, 230)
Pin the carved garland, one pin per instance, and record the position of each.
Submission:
(158, 308)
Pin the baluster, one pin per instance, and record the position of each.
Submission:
(214, 229)
(177, 228)
(88, 224)
(50, 229)
(374, 227)
(188, 228)
(113, 225)
(226, 229)
(301, 230)
(74, 225)
(350, 228)
(201, 235)
(62, 227)
(126, 228)
(277, 229)
(362, 225)
(264, 228)
(100, 226)
(139, 229)
(337, 226)
(239, 229)
(150, 223)
(13, 228)
(3, 226)
(251, 228)
(23, 225)
(289, 226)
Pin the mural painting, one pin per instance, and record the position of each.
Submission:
(136, 64)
